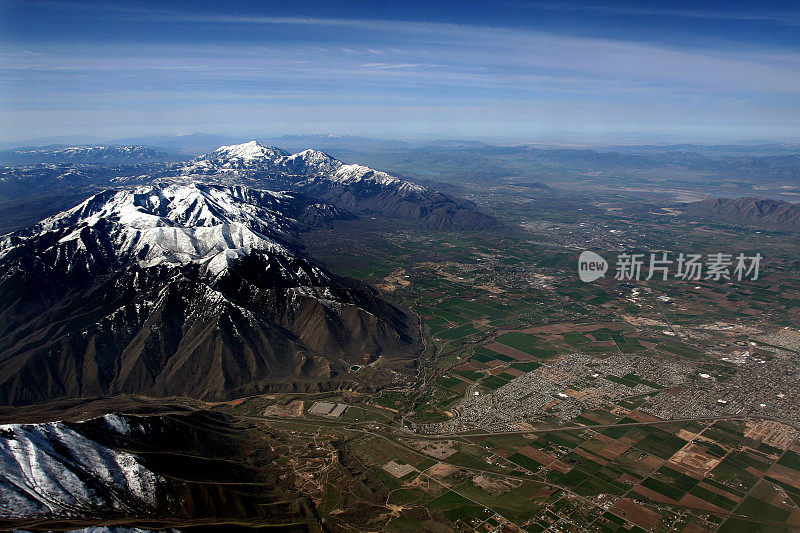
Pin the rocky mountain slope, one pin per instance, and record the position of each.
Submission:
(184, 468)
(187, 289)
(55, 470)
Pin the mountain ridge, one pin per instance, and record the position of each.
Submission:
(85, 154)
(747, 211)
(355, 187)
(358, 188)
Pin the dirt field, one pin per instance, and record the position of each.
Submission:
(293, 409)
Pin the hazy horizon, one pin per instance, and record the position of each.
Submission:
(544, 141)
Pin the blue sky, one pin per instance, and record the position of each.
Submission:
(508, 71)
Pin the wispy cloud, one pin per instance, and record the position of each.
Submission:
(759, 13)
(314, 66)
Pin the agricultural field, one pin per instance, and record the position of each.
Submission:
(507, 320)
(629, 473)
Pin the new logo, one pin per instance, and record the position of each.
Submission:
(591, 266)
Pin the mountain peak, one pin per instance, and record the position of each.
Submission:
(249, 151)
(315, 161)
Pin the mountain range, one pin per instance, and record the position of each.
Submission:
(357, 188)
(457, 163)
(188, 289)
(188, 278)
(91, 155)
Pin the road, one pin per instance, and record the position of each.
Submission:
(378, 427)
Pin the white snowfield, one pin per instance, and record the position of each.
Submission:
(52, 470)
(308, 164)
(178, 223)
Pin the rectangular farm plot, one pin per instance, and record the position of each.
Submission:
(512, 353)
(541, 457)
(525, 462)
(636, 513)
(494, 382)
(484, 354)
(449, 381)
(529, 344)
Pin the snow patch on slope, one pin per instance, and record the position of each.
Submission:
(347, 174)
(52, 470)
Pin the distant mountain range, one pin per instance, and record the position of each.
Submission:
(358, 188)
(330, 142)
(186, 144)
(87, 155)
(456, 162)
(762, 213)
(755, 148)
(187, 289)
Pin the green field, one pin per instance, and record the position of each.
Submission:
(529, 344)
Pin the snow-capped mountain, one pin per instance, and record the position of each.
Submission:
(185, 289)
(308, 164)
(354, 187)
(178, 223)
(237, 156)
(314, 173)
(53, 470)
